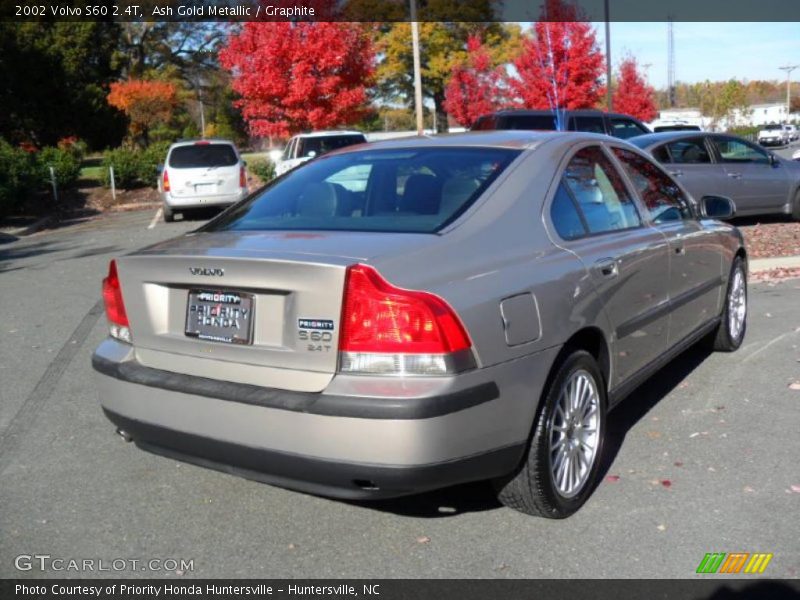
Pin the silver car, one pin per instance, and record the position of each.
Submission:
(758, 181)
(199, 174)
(471, 310)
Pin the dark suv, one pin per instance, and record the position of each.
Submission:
(593, 121)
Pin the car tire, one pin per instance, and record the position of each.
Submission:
(796, 206)
(169, 216)
(729, 335)
(552, 481)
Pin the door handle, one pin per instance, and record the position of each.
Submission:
(676, 173)
(735, 175)
(607, 267)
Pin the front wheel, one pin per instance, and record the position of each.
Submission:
(796, 206)
(561, 467)
(730, 333)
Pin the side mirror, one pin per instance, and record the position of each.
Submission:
(773, 161)
(717, 207)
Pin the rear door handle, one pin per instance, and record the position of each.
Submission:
(607, 267)
(676, 173)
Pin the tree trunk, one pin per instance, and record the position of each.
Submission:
(441, 113)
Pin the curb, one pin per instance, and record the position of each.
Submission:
(30, 229)
(759, 265)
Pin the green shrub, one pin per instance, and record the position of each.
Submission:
(18, 177)
(265, 169)
(66, 164)
(150, 159)
(127, 165)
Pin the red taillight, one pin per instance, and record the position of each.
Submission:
(378, 317)
(242, 177)
(112, 296)
(166, 181)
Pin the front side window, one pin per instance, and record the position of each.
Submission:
(316, 146)
(738, 151)
(625, 128)
(202, 155)
(663, 198)
(599, 192)
(410, 190)
(689, 152)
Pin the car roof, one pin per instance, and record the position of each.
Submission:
(514, 139)
(313, 134)
(194, 142)
(534, 113)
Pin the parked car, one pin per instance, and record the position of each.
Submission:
(676, 127)
(593, 121)
(758, 181)
(792, 132)
(472, 310)
(302, 148)
(796, 155)
(201, 173)
(773, 135)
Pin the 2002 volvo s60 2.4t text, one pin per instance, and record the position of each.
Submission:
(418, 313)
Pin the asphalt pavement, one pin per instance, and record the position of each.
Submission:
(703, 458)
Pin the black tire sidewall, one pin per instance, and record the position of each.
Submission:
(540, 444)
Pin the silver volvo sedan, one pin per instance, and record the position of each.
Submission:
(418, 313)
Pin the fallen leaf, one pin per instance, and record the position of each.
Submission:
(712, 469)
(423, 539)
(768, 315)
(612, 478)
(678, 463)
(748, 489)
(654, 435)
(795, 385)
(694, 435)
(291, 546)
(662, 527)
(666, 483)
(795, 488)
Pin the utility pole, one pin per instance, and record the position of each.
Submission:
(417, 74)
(788, 69)
(608, 59)
(670, 63)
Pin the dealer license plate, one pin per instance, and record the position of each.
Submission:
(220, 316)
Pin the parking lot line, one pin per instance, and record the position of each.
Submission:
(156, 217)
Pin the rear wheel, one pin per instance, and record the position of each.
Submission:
(730, 333)
(560, 469)
(169, 216)
(796, 206)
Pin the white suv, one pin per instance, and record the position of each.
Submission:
(201, 173)
(305, 146)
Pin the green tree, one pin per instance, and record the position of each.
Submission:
(53, 82)
(442, 47)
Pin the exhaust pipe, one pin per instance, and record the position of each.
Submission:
(124, 435)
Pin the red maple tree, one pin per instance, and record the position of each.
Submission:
(475, 87)
(299, 76)
(633, 96)
(147, 103)
(560, 65)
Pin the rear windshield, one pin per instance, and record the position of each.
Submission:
(773, 127)
(202, 155)
(323, 144)
(408, 190)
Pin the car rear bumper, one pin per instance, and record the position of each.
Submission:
(178, 202)
(334, 444)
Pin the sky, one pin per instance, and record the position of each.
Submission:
(714, 51)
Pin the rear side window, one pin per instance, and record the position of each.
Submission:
(321, 145)
(541, 122)
(201, 155)
(625, 128)
(565, 217)
(598, 191)
(662, 196)
(411, 190)
(689, 152)
(588, 124)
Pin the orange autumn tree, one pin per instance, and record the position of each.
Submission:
(146, 103)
